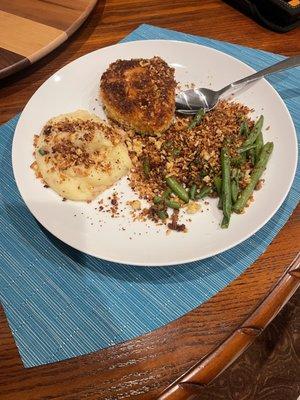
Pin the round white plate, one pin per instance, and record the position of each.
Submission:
(120, 239)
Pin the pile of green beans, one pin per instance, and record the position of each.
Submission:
(176, 188)
(231, 198)
(226, 185)
(163, 202)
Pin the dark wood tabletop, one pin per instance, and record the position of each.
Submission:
(211, 337)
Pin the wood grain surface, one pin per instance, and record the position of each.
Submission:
(29, 29)
(144, 367)
(269, 369)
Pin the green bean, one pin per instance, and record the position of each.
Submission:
(157, 199)
(225, 222)
(226, 186)
(204, 191)
(255, 176)
(244, 129)
(162, 214)
(234, 190)
(220, 203)
(163, 197)
(234, 173)
(166, 194)
(218, 185)
(42, 152)
(192, 192)
(172, 204)
(197, 118)
(246, 148)
(251, 156)
(254, 133)
(146, 167)
(239, 160)
(259, 145)
(177, 189)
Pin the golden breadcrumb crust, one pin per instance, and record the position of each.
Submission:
(139, 94)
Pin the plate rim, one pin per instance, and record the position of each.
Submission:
(169, 263)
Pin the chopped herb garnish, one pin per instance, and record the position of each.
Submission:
(146, 167)
(176, 151)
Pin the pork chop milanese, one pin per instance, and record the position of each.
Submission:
(139, 94)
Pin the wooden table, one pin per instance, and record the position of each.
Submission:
(142, 368)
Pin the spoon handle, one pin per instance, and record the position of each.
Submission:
(280, 66)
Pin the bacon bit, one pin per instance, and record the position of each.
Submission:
(173, 225)
(177, 227)
(114, 200)
(47, 130)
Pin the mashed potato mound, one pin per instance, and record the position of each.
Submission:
(79, 155)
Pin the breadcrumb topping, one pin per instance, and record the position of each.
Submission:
(190, 155)
(67, 144)
(139, 93)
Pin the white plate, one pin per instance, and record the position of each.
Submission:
(76, 87)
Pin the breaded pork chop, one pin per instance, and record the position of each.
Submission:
(139, 94)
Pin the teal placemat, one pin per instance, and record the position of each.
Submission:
(61, 303)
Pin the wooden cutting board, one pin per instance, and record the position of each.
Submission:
(30, 29)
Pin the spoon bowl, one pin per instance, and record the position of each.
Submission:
(189, 101)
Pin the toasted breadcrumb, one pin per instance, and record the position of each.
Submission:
(139, 94)
(193, 207)
(191, 156)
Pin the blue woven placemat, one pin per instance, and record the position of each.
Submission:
(61, 303)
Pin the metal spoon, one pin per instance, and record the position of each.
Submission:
(191, 100)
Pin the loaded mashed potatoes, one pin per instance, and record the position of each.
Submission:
(79, 155)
